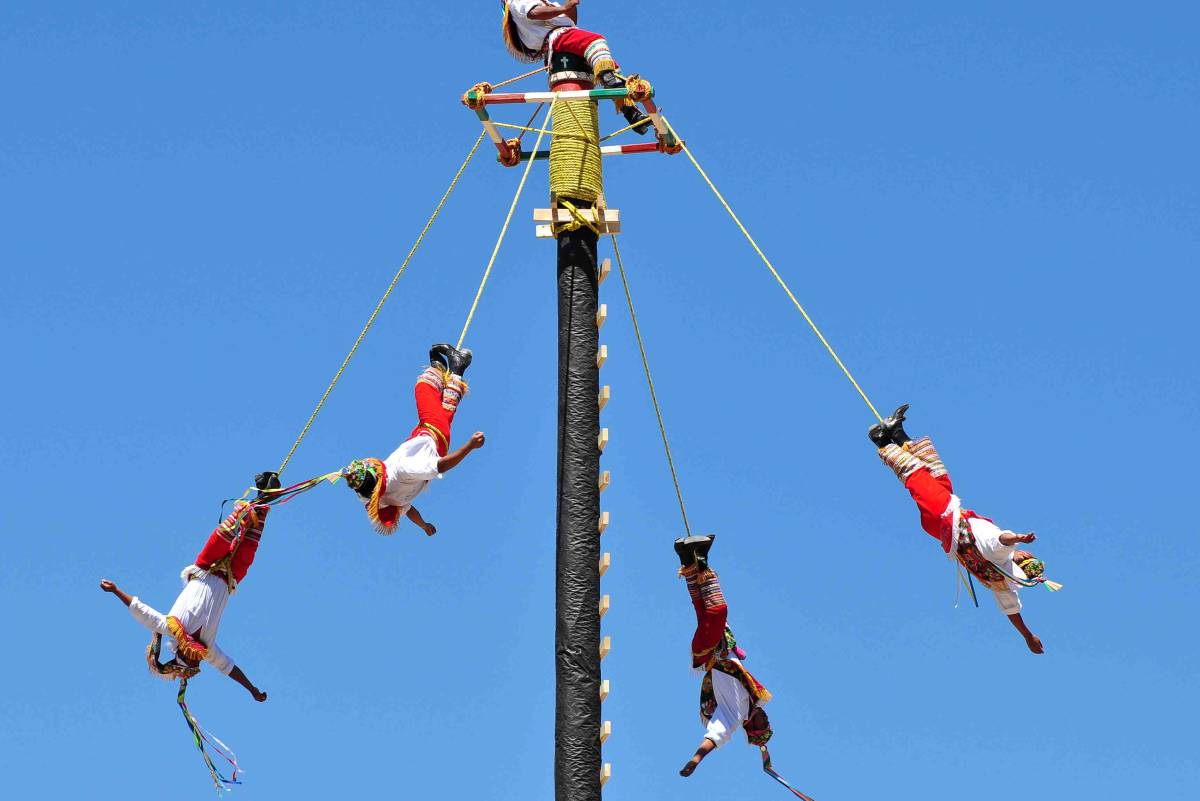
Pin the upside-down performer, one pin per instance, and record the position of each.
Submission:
(986, 551)
(540, 29)
(192, 622)
(730, 697)
(388, 487)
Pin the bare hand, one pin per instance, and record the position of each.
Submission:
(107, 585)
(477, 440)
(430, 529)
(1035, 644)
(1030, 537)
(570, 4)
(259, 695)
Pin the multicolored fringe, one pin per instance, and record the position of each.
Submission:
(185, 644)
(770, 771)
(384, 522)
(205, 740)
(924, 450)
(903, 463)
(435, 377)
(512, 40)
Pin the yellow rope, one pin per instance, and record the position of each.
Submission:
(371, 320)
(774, 272)
(529, 74)
(662, 429)
(539, 130)
(503, 231)
(621, 131)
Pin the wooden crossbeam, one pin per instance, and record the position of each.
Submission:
(603, 523)
(604, 688)
(564, 216)
(601, 315)
(602, 440)
(605, 646)
(604, 480)
(601, 356)
(604, 397)
(605, 562)
(605, 604)
(605, 773)
(605, 269)
(605, 730)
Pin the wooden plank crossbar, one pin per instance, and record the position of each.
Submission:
(605, 773)
(605, 563)
(604, 480)
(604, 689)
(508, 98)
(605, 730)
(605, 150)
(604, 397)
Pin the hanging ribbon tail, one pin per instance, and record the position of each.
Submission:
(767, 769)
(1053, 586)
(203, 740)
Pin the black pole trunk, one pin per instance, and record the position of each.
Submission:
(577, 626)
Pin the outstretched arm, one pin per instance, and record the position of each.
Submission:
(109, 586)
(1012, 538)
(415, 516)
(1031, 639)
(237, 675)
(550, 11)
(451, 460)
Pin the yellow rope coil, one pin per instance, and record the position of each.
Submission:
(575, 170)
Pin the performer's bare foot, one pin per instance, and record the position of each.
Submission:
(690, 767)
(1035, 644)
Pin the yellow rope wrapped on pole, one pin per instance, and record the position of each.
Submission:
(662, 429)
(504, 229)
(575, 169)
(774, 272)
(371, 320)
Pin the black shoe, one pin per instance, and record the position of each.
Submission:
(684, 552)
(439, 356)
(694, 550)
(894, 426)
(610, 80)
(634, 116)
(879, 435)
(458, 361)
(266, 480)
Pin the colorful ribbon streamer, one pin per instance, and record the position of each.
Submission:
(204, 741)
(767, 769)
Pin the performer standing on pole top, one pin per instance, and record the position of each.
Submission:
(194, 618)
(388, 487)
(980, 546)
(730, 697)
(540, 29)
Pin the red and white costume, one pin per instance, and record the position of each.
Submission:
(406, 473)
(207, 584)
(968, 538)
(559, 35)
(728, 691)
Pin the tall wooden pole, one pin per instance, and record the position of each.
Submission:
(577, 754)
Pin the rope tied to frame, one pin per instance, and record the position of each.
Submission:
(503, 231)
(774, 272)
(662, 429)
(379, 306)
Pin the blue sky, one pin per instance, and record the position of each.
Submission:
(992, 211)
